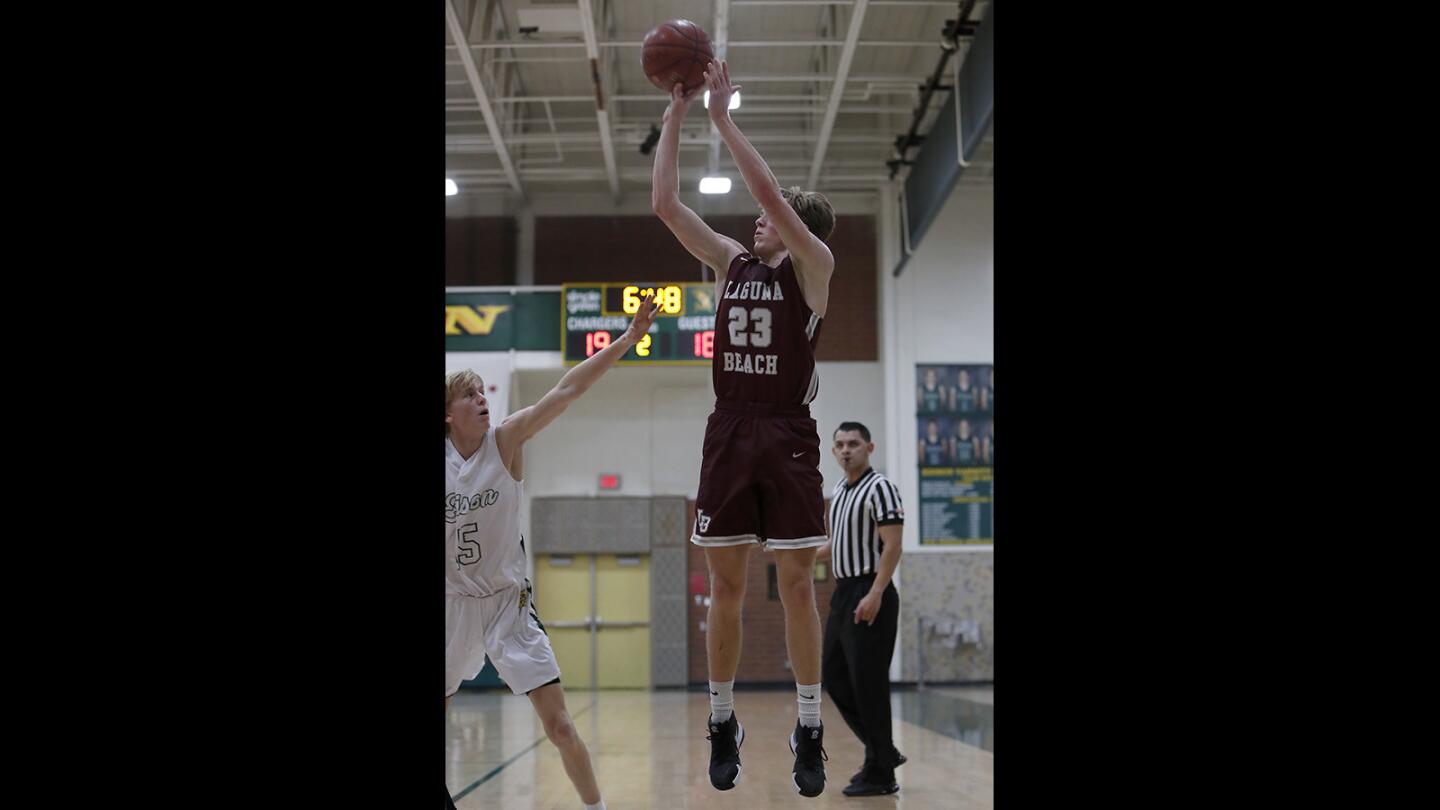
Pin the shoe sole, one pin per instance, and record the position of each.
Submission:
(802, 792)
(885, 792)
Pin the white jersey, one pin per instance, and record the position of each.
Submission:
(484, 551)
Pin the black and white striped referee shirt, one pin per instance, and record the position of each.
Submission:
(856, 512)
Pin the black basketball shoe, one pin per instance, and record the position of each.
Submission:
(810, 757)
(725, 741)
(876, 781)
(870, 763)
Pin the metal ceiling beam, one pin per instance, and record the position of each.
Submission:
(493, 45)
(470, 23)
(497, 25)
(720, 41)
(484, 143)
(937, 3)
(492, 124)
(779, 163)
(852, 95)
(521, 99)
(527, 59)
(842, 73)
(602, 116)
(826, 77)
(633, 174)
(783, 111)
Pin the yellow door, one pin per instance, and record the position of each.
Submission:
(562, 600)
(623, 610)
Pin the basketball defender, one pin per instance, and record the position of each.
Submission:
(760, 481)
(489, 604)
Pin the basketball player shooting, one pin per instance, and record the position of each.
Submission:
(489, 605)
(760, 481)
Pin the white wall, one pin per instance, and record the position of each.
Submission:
(940, 310)
(849, 392)
(647, 424)
(638, 422)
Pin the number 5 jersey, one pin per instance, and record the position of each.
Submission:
(484, 551)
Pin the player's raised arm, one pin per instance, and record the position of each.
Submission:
(699, 239)
(526, 422)
(810, 255)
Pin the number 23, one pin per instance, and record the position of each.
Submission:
(759, 317)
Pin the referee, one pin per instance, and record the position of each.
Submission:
(864, 522)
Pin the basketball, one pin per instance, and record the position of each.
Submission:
(676, 52)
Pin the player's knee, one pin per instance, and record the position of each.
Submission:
(561, 731)
(726, 589)
(797, 590)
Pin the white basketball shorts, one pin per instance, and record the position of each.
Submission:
(504, 626)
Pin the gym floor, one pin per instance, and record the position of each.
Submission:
(649, 750)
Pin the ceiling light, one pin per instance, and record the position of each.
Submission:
(734, 100)
(714, 185)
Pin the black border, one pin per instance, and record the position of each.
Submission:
(289, 208)
(1121, 581)
(286, 574)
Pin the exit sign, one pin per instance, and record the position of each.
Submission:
(609, 482)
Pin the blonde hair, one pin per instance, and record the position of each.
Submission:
(814, 210)
(457, 383)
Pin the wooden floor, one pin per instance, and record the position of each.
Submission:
(649, 750)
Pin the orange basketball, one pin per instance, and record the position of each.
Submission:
(676, 52)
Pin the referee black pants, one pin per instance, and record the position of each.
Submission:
(856, 664)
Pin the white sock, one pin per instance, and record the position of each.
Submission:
(600, 806)
(808, 696)
(722, 700)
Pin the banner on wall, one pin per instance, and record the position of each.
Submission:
(955, 450)
(526, 320)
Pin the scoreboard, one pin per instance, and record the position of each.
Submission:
(592, 315)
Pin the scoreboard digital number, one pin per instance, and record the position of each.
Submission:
(593, 315)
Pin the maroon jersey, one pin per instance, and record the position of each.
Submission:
(765, 336)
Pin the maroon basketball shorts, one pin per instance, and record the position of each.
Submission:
(760, 478)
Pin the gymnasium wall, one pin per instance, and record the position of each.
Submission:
(488, 244)
(943, 312)
(616, 248)
(480, 251)
(647, 424)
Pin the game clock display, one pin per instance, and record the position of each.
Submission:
(593, 315)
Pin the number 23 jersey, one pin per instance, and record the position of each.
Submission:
(765, 336)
